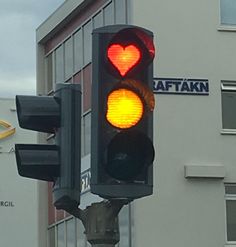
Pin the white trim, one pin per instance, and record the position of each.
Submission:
(228, 132)
(228, 85)
(204, 171)
(79, 27)
(56, 18)
(73, 32)
(228, 28)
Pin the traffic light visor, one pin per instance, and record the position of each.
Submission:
(124, 108)
(129, 51)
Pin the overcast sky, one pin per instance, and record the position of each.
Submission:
(18, 22)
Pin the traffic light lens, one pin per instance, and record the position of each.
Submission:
(124, 58)
(124, 108)
(128, 153)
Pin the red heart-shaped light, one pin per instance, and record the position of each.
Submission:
(124, 58)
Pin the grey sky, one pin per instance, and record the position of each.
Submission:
(18, 22)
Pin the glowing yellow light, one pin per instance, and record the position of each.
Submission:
(124, 108)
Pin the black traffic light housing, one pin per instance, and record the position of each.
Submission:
(121, 156)
(60, 163)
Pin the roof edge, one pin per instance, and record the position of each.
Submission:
(62, 15)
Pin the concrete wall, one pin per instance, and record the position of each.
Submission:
(187, 212)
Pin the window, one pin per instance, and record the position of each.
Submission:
(51, 237)
(109, 14)
(78, 50)
(230, 196)
(59, 63)
(87, 42)
(87, 133)
(49, 71)
(60, 235)
(98, 20)
(70, 233)
(228, 12)
(125, 227)
(120, 11)
(87, 81)
(68, 58)
(228, 101)
(81, 239)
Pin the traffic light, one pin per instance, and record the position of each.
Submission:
(122, 151)
(60, 163)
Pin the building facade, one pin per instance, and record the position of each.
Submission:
(21, 211)
(194, 199)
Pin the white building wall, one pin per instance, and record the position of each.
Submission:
(19, 197)
(187, 212)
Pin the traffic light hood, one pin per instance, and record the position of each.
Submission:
(142, 89)
(129, 51)
(38, 113)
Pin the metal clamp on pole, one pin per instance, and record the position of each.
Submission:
(101, 222)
